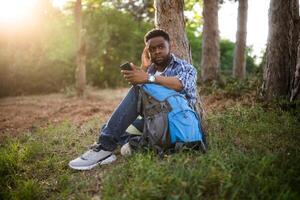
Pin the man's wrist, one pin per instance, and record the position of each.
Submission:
(151, 78)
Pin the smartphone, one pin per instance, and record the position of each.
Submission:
(126, 66)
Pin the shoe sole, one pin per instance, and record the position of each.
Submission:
(107, 160)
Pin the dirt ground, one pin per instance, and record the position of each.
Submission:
(25, 113)
(21, 113)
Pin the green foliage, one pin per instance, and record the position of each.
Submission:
(140, 10)
(43, 60)
(113, 37)
(14, 156)
(28, 190)
(34, 165)
(193, 16)
(196, 46)
(230, 87)
(226, 53)
(226, 56)
(40, 58)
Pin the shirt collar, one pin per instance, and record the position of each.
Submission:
(152, 68)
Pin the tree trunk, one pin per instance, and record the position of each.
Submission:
(169, 17)
(81, 52)
(279, 72)
(210, 41)
(239, 62)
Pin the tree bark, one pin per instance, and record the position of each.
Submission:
(169, 17)
(239, 62)
(210, 41)
(81, 52)
(279, 71)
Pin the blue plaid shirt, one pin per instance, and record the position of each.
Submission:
(185, 72)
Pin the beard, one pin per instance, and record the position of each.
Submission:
(162, 61)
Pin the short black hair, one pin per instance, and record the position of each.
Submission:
(156, 33)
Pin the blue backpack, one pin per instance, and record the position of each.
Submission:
(168, 117)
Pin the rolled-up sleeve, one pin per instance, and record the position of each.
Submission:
(188, 77)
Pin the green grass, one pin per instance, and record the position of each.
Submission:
(253, 154)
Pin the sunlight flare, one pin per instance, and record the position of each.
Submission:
(59, 3)
(15, 11)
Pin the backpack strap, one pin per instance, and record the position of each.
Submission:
(139, 101)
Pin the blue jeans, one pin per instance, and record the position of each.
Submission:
(113, 132)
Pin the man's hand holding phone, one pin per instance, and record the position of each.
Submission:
(125, 66)
(132, 74)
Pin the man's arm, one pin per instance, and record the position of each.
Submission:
(169, 82)
(137, 76)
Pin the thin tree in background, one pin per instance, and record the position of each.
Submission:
(210, 41)
(81, 51)
(280, 79)
(169, 16)
(239, 61)
(296, 82)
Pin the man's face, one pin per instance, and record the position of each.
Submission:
(159, 50)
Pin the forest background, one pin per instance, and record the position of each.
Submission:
(42, 58)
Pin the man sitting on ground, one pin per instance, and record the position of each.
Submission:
(159, 66)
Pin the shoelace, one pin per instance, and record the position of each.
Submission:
(87, 155)
(97, 147)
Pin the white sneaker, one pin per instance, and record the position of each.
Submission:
(91, 159)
